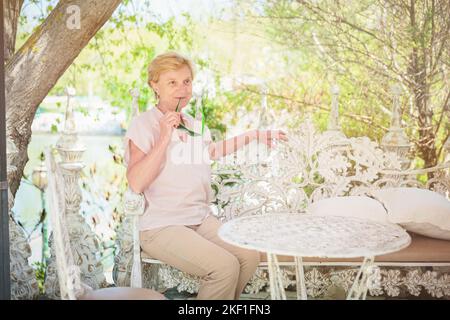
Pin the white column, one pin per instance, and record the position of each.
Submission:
(334, 127)
(135, 104)
(83, 240)
(395, 140)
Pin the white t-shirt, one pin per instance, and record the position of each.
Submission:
(181, 193)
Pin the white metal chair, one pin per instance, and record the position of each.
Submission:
(68, 272)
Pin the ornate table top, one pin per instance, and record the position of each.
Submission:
(308, 235)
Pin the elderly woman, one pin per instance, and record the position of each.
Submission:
(178, 227)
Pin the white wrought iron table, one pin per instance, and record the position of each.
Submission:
(305, 235)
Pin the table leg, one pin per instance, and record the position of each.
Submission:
(300, 278)
(275, 279)
(358, 291)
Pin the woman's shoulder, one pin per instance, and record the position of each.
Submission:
(145, 118)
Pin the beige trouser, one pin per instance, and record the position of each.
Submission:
(224, 269)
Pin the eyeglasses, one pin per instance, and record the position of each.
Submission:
(182, 125)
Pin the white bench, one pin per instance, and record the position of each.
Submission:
(311, 166)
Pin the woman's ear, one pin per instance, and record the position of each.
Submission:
(154, 86)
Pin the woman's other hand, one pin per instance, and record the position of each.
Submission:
(268, 137)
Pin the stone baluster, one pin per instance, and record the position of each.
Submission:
(333, 123)
(24, 285)
(135, 102)
(263, 115)
(395, 140)
(334, 127)
(83, 240)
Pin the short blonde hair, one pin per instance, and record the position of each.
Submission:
(168, 61)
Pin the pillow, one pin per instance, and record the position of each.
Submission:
(351, 206)
(417, 210)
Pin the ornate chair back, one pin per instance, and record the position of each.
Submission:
(71, 286)
(68, 272)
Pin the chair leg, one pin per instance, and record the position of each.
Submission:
(136, 270)
(277, 291)
(136, 275)
(300, 277)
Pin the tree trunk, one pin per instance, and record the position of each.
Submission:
(11, 18)
(35, 68)
(420, 89)
(427, 137)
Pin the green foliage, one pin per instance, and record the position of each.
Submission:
(365, 47)
(116, 59)
(298, 48)
(40, 271)
(212, 113)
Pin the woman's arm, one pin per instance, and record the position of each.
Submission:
(222, 148)
(144, 168)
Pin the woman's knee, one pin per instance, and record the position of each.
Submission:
(250, 259)
(256, 257)
(227, 267)
(253, 259)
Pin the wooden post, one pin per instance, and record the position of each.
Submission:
(5, 279)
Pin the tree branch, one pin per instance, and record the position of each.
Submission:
(36, 67)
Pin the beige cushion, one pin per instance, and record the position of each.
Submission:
(122, 293)
(417, 210)
(352, 206)
(421, 249)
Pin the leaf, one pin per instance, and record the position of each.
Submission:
(188, 131)
(183, 127)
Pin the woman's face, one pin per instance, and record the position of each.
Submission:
(173, 85)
